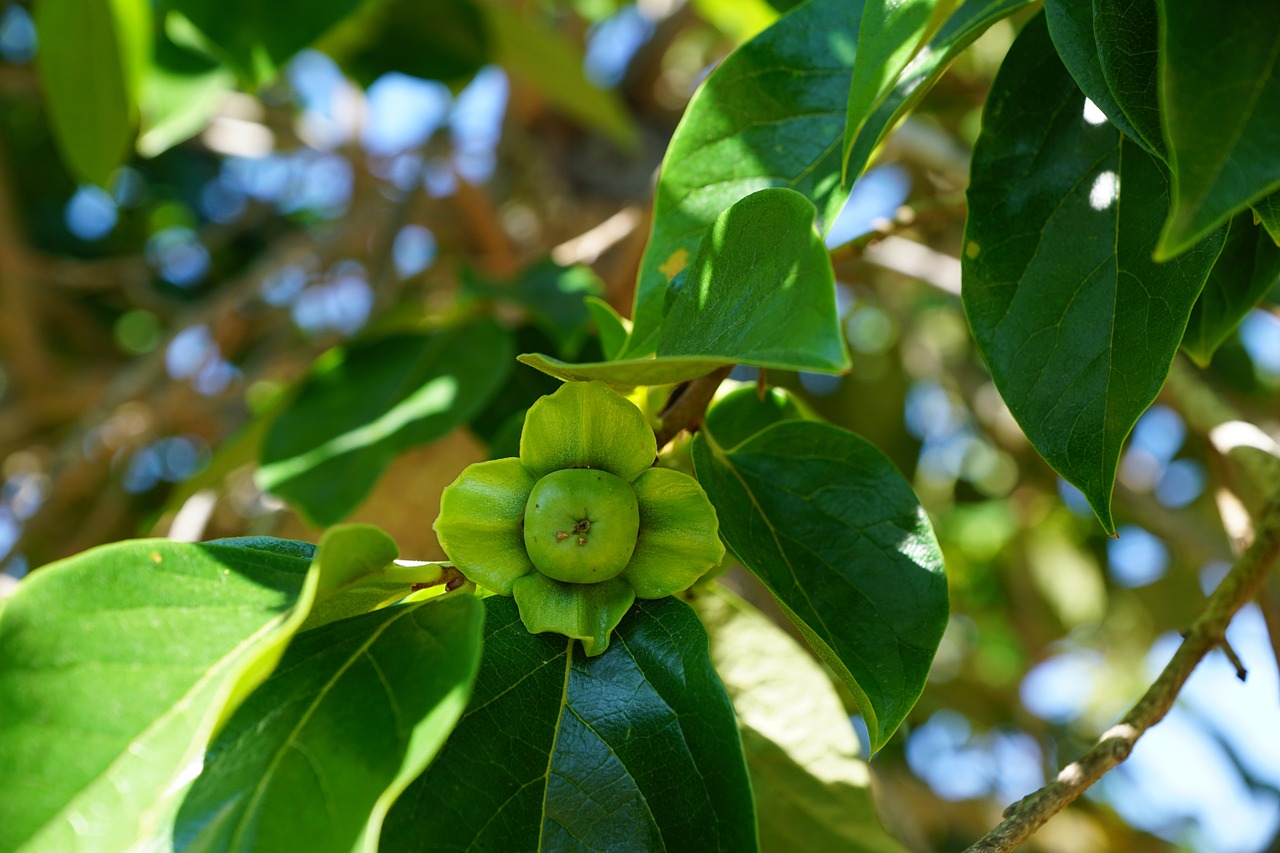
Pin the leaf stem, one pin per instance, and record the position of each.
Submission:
(687, 406)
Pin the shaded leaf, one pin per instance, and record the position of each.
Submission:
(92, 56)
(741, 414)
(1076, 321)
(1247, 269)
(1267, 212)
(553, 295)
(117, 663)
(970, 20)
(1220, 94)
(812, 791)
(890, 32)
(834, 531)
(430, 39)
(770, 115)
(636, 749)
(1126, 32)
(180, 93)
(355, 711)
(369, 401)
(551, 65)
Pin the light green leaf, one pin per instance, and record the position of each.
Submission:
(1247, 269)
(837, 535)
(770, 115)
(813, 792)
(1076, 321)
(1220, 100)
(738, 305)
(316, 756)
(369, 401)
(635, 749)
(549, 64)
(890, 33)
(181, 91)
(92, 56)
(115, 666)
(613, 330)
(970, 20)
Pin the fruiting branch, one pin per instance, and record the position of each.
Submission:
(689, 404)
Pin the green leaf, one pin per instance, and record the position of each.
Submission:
(1267, 212)
(431, 39)
(969, 21)
(738, 305)
(1079, 30)
(741, 414)
(369, 401)
(636, 749)
(613, 330)
(1247, 269)
(258, 36)
(1220, 98)
(1076, 321)
(835, 532)
(812, 791)
(890, 33)
(544, 60)
(117, 663)
(554, 297)
(92, 56)
(315, 758)
(1127, 37)
(770, 115)
(181, 91)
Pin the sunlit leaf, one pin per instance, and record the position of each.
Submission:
(837, 535)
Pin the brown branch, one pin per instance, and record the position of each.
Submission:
(686, 408)
(1237, 588)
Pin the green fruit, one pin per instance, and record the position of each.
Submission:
(580, 525)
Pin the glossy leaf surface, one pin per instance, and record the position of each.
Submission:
(1247, 269)
(1076, 321)
(355, 711)
(741, 414)
(1126, 33)
(368, 402)
(771, 115)
(1220, 97)
(890, 32)
(92, 56)
(970, 20)
(116, 665)
(813, 792)
(636, 749)
(835, 532)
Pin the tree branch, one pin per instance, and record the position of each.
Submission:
(1241, 584)
(686, 409)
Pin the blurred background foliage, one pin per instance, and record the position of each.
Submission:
(425, 160)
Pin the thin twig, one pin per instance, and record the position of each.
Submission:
(685, 410)
(1241, 584)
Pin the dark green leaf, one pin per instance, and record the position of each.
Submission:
(738, 305)
(1127, 44)
(431, 39)
(968, 22)
(258, 36)
(544, 60)
(115, 666)
(368, 402)
(180, 93)
(890, 32)
(835, 532)
(1076, 321)
(92, 56)
(770, 115)
(553, 295)
(1267, 211)
(1220, 97)
(356, 710)
(812, 791)
(1247, 269)
(742, 413)
(635, 749)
